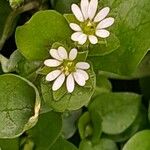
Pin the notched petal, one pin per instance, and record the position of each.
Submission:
(77, 12)
(82, 65)
(52, 62)
(58, 82)
(70, 83)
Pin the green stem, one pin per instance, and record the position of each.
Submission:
(11, 18)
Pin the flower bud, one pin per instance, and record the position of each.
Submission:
(15, 3)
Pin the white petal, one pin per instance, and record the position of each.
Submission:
(54, 54)
(58, 82)
(52, 62)
(82, 65)
(53, 75)
(105, 23)
(84, 73)
(82, 39)
(77, 12)
(70, 83)
(84, 8)
(62, 52)
(75, 36)
(92, 8)
(73, 54)
(102, 14)
(102, 33)
(93, 39)
(79, 78)
(75, 27)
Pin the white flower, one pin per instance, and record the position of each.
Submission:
(91, 25)
(66, 68)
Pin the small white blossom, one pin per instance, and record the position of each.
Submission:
(66, 69)
(91, 25)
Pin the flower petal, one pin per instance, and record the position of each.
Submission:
(62, 52)
(58, 82)
(92, 8)
(77, 12)
(102, 33)
(54, 54)
(75, 36)
(84, 8)
(79, 78)
(84, 73)
(73, 54)
(105, 23)
(102, 14)
(82, 39)
(82, 65)
(75, 27)
(70, 83)
(53, 75)
(93, 39)
(52, 62)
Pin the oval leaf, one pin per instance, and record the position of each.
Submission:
(63, 145)
(19, 105)
(46, 131)
(35, 38)
(118, 110)
(140, 141)
(103, 144)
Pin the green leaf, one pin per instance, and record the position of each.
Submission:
(97, 126)
(35, 38)
(27, 144)
(104, 46)
(9, 144)
(103, 85)
(63, 145)
(71, 18)
(44, 107)
(17, 63)
(132, 21)
(27, 68)
(46, 131)
(19, 105)
(69, 123)
(4, 63)
(104, 144)
(143, 70)
(61, 100)
(140, 141)
(118, 110)
(89, 126)
(139, 123)
(84, 126)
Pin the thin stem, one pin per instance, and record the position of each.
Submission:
(11, 18)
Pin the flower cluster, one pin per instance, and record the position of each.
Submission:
(91, 25)
(66, 68)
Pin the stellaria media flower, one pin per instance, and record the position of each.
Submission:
(91, 25)
(66, 68)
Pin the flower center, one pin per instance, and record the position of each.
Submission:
(88, 27)
(68, 67)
